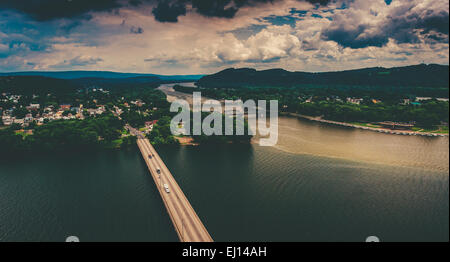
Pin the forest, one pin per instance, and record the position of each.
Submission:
(65, 136)
(331, 103)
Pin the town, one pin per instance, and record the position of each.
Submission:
(16, 113)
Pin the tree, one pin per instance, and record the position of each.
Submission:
(20, 112)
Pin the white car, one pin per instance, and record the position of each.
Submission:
(166, 187)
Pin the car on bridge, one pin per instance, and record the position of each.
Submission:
(158, 170)
(166, 187)
(150, 156)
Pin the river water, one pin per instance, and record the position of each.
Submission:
(319, 183)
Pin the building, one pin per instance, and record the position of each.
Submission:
(356, 101)
(406, 102)
(7, 120)
(65, 107)
(19, 121)
(418, 99)
(28, 118)
(34, 106)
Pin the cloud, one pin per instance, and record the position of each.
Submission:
(44, 10)
(261, 34)
(136, 30)
(404, 22)
(4, 49)
(78, 61)
(217, 8)
(163, 10)
(167, 11)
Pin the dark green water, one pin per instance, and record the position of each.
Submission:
(261, 194)
(105, 196)
(240, 193)
(291, 192)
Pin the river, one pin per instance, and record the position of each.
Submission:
(319, 183)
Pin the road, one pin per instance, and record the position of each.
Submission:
(187, 224)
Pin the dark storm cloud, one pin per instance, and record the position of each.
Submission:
(163, 10)
(216, 8)
(319, 2)
(228, 8)
(352, 38)
(44, 10)
(438, 23)
(169, 11)
(400, 26)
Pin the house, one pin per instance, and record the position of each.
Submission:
(91, 111)
(100, 109)
(356, 101)
(34, 106)
(138, 103)
(19, 121)
(6, 117)
(28, 118)
(7, 120)
(406, 102)
(65, 107)
(418, 99)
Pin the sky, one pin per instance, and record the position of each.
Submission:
(206, 36)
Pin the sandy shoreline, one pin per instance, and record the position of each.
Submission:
(380, 130)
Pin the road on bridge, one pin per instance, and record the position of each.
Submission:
(187, 224)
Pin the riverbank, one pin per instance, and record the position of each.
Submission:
(186, 141)
(365, 127)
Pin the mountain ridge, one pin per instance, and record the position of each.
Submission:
(432, 75)
(77, 74)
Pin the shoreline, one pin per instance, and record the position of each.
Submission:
(379, 130)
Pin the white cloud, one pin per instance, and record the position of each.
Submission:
(197, 44)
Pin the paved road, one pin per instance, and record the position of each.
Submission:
(185, 220)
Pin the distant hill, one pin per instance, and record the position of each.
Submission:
(36, 85)
(100, 74)
(114, 83)
(26, 84)
(422, 75)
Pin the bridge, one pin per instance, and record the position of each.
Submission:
(187, 224)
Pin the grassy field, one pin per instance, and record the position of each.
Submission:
(365, 124)
(440, 130)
